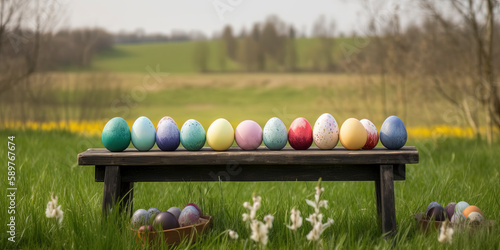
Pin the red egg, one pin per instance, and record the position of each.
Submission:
(300, 134)
(196, 206)
(371, 132)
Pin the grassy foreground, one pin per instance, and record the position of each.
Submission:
(449, 170)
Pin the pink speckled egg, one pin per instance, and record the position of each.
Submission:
(248, 135)
(189, 216)
(326, 132)
(371, 132)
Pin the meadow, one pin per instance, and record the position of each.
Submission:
(453, 166)
(450, 169)
(177, 57)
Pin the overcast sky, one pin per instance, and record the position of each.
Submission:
(163, 16)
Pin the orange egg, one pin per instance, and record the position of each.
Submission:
(471, 209)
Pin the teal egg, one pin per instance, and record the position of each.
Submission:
(275, 134)
(143, 134)
(116, 135)
(193, 135)
(461, 206)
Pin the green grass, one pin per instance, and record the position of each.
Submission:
(177, 57)
(449, 170)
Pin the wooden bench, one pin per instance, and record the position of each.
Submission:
(119, 170)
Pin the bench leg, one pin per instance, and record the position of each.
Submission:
(127, 192)
(115, 189)
(384, 191)
(112, 188)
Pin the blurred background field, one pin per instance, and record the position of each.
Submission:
(428, 63)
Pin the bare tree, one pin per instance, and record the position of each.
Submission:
(478, 21)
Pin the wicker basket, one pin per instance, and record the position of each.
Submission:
(429, 225)
(176, 235)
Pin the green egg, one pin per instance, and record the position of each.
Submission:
(116, 135)
(192, 135)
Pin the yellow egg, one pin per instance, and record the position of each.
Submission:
(352, 134)
(220, 135)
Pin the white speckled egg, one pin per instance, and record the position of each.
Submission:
(326, 132)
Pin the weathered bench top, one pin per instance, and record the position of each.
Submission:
(261, 156)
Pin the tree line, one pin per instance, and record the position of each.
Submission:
(454, 52)
(269, 46)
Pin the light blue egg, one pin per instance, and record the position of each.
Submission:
(275, 134)
(461, 206)
(192, 135)
(143, 134)
(393, 133)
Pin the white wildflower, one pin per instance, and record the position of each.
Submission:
(232, 234)
(53, 210)
(446, 233)
(316, 218)
(315, 233)
(256, 199)
(246, 204)
(259, 232)
(296, 219)
(268, 219)
(259, 229)
(246, 217)
(253, 212)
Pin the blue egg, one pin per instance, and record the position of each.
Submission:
(193, 135)
(432, 205)
(167, 134)
(461, 206)
(275, 134)
(143, 134)
(393, 133)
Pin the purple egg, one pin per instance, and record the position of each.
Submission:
(175, 211)
(189, 216)
(248, 135)
(167, 134)
(165, 221)
(450, 209)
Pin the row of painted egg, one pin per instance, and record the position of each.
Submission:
(353, 134)
(454, 212)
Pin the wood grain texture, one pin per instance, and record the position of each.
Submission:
(261, 156)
